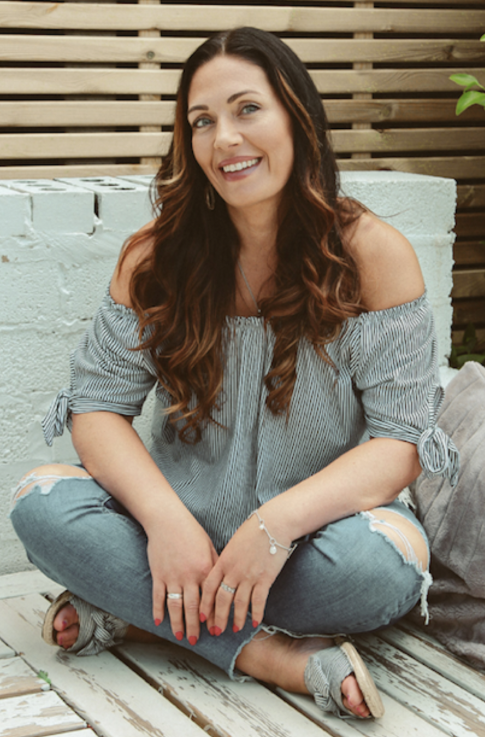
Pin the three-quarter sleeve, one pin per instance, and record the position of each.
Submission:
(106, 374)
(396, 371)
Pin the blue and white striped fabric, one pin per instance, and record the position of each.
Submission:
(384, 383)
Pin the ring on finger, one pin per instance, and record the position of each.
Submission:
(175, 596)
(227, 588)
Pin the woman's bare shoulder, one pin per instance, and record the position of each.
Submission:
(134, 251)
(388, 266)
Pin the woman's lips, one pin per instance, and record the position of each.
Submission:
(239, 173)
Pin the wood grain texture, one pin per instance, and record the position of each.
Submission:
(37, 715)
(469, 283)
(27, 582)
(467, 253)
(17, 678)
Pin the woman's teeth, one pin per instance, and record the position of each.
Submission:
(239, 166)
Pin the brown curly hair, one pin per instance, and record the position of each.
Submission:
(184, 288)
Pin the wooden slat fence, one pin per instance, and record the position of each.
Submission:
(87, 88)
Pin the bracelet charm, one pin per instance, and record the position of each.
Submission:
(273, 543)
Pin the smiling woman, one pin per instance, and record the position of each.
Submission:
(293, 351)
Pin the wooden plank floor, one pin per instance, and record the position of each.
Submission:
(165, 691)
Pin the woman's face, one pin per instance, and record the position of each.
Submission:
(242, 135)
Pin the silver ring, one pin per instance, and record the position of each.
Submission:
(227, 588)
(175, 596)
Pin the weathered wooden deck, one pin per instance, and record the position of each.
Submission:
(145, 690)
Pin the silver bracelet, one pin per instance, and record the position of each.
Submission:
(273, 544)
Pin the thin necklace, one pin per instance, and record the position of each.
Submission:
(249, 288)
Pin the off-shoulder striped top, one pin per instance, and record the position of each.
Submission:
(384, 383)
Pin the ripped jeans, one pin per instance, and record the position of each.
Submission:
(346, 578)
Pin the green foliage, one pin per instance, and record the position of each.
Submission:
(467, 350)
(469, 96)
(45, 676)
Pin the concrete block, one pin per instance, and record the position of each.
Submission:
(412, 203)
(15, 212)
(121, 205)
(58, 207)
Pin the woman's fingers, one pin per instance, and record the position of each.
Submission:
(175, 606)
(209, 591)
(242, 597)
(158, 598)
(258, 603)
(223, 603)
(191, 610)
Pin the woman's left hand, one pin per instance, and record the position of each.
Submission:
(247, 566)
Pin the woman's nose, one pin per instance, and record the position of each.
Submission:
(227, 134)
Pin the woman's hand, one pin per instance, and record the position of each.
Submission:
(180, 555)
(247, 566)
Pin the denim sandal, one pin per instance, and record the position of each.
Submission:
(325, 672)
(98, 630)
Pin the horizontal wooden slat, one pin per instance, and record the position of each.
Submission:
(83, 145)
(458, 335)
(469, 252)
(471, 195)
(46, 81)
(417, 139)
(219, 17)
(69, 145)
(469, 310)
(455, 167)
(470, 224)
(86, 49)
(468, 283)
(70, 113)
(75, 170)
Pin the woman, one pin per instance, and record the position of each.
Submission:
(279, 323)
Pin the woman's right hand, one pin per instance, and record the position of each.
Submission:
(181, 556)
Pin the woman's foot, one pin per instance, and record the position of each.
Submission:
(281, 660)
(66, 624)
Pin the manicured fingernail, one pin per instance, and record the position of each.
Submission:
(193, 640)
(217, 631)
(212, 630)
(179, 635)
(255, 624)
(158, 622)
(202, 617)
(235, 628)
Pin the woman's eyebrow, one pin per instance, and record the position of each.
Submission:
(230, 99)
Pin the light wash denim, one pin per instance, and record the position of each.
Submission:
(346, 578)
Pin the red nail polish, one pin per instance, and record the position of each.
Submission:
(202, 617)
(158, 622)
(235, 628)
(193, 640)
(179, 635)
(64, 624)
(255, 624)
(217, 631)
(212, 630)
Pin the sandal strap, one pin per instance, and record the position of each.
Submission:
(324, 674)
(98, 630)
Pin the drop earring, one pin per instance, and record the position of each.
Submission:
(210, 196)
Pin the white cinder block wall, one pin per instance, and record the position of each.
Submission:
(59, 242)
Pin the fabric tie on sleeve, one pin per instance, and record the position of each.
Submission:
(57, 415)
(438, 455)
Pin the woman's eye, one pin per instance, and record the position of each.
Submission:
(249, 108)
(201, 122)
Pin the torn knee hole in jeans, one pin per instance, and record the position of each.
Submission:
(408, 554)
(45, 482)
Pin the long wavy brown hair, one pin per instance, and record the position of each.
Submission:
(184, 289)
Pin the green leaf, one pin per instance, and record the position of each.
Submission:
(482, 38)
(45, 677)
(469, 98)
(478, 357)
(465, 80)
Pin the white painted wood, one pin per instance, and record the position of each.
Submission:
(398, 721)
(27, 582)
(17, 678)
(112, 698)
(78, 733)
(5, 651)
(228, 707)
(432, 653)
(429, 694)
(37, 715)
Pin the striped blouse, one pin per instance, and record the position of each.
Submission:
(384, 383)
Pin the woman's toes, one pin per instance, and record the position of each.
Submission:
(353, 697)
(66, 617)
(68, 636)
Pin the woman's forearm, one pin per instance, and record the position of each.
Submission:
(368, 476)
(112, 452)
